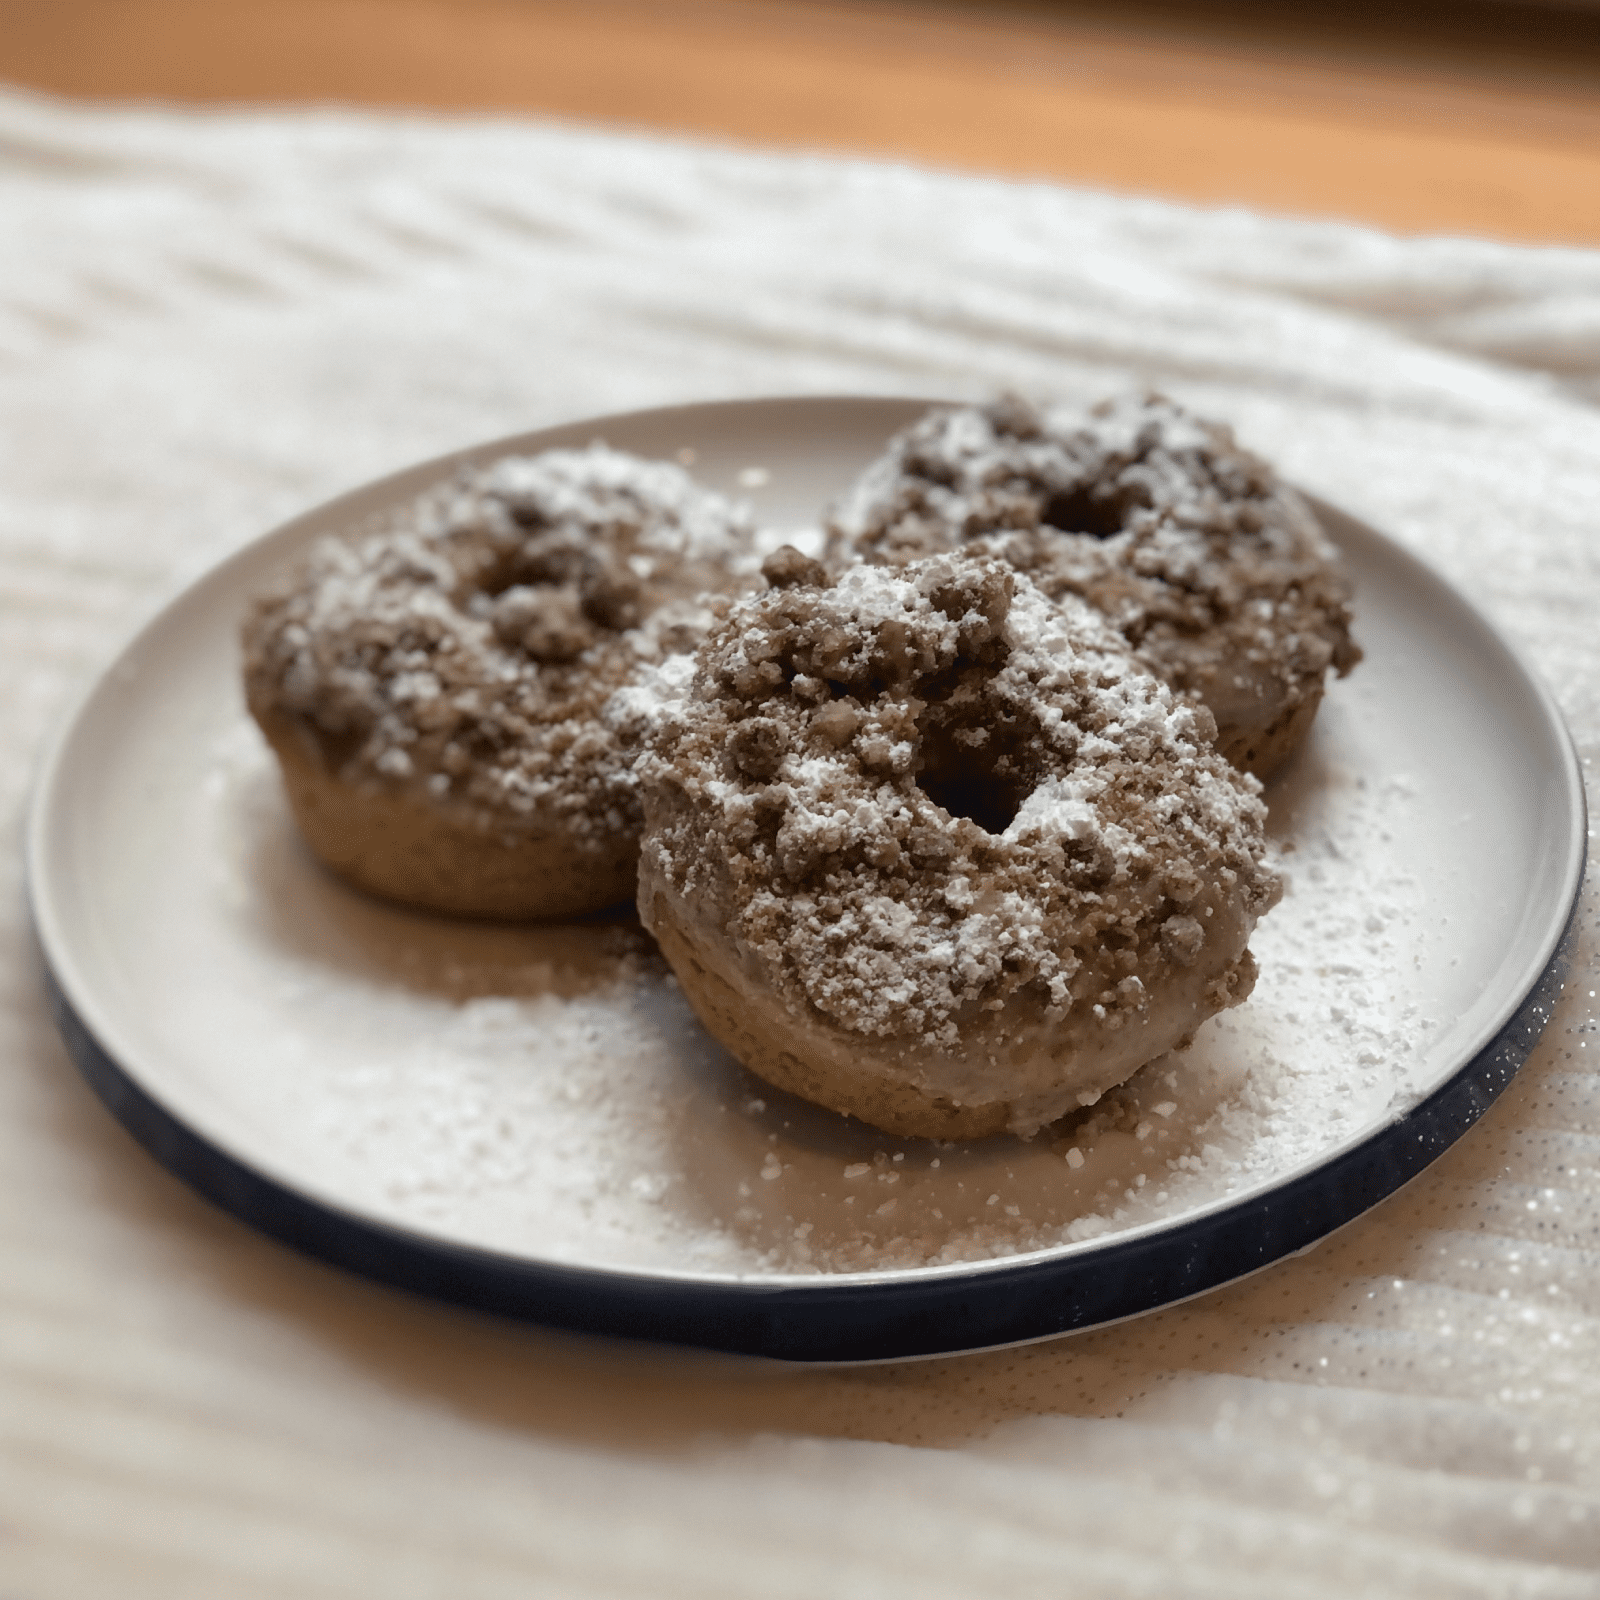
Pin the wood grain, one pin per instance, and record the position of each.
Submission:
(1383, 136)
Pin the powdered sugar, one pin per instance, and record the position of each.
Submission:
(857, 895)
(548, 1093)
(467, 644)
(944, 822)
(378, 1057)
(1214, 572)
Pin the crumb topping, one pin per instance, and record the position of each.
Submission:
(467, 648)
(920, 792)
(1198, 555)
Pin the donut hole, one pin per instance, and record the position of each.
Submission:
(976, 758)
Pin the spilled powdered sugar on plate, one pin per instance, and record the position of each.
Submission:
(546, 1091)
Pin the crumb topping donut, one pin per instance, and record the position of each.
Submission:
(1215, 572)
(436, 689)
(930, 849)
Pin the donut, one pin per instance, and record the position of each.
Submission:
(930, 849)
(1216, 573)
(435, 688)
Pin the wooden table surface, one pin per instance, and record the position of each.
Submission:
(1477, 126)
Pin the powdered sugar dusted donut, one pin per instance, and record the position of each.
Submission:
(1216, 573)
(436, 689)
(927, 848)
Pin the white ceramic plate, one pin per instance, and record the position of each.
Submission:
(529, 1120)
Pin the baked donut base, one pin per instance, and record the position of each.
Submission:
(1261, 751)
(859, 1076)
(402, 846)
(739, 1020)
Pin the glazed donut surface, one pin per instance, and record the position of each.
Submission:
(929, 849)
(1217, 574)
(436, 688)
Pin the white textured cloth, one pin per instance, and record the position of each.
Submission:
(208, 322)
